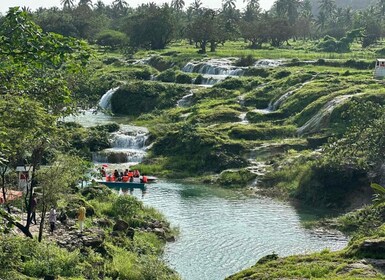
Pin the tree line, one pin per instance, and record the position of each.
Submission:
(153, 26)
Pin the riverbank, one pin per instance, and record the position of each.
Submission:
(122, 239)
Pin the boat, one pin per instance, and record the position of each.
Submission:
(118, 184)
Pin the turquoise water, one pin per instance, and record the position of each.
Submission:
(223, 232)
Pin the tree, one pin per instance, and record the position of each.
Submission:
(206, 28)
(177, 4)
(287, 9)
(34, 93)
(151, 26)
(67, 171)
(67, 4)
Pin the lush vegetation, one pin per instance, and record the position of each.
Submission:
(310, 129)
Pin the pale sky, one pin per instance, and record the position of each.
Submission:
(34, 4)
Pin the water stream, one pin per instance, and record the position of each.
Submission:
(221, 231)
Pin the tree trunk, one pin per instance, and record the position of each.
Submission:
(212, 46)
(42, 219)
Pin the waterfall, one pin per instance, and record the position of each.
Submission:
(265, 63)
(214, 70)
(186, 100)
(321, 119)
(243, 119)
(128, 145)
(273, 106)
(105, 101)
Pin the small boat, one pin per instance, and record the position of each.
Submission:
(128, 185)
(151, 179)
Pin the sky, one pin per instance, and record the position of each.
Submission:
(34, 4)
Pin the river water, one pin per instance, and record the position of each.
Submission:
(224, 231)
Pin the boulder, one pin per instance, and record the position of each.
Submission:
(120, 225)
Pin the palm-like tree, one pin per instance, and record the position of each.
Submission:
(120, 5)
(327, 7)
(381, 6)
(288, 9)
(252, 4)
(177, 4)
(67, 3)
(196, 5)
(85, 3)
(228, 5)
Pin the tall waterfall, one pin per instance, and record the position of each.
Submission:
(105, 101)
(321, 119)
(128, 146)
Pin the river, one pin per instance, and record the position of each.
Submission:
(224, 231)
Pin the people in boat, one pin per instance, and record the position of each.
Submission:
(143, 179)
(136, 173)
(103, 172)
(125, 172)
(116, 174)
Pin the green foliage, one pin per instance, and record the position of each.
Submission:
(183, 78)
(231, 84)
(245, 61)
(125, 206)
(239, 178)
(262, 132)
(141, 97)
(257, 72)
(111, 38)
(151, 26)
(167, 76)
(329, 186)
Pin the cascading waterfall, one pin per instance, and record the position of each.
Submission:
(105, 101)
(321, 119)
(214, 70)
(273, 106)
(128, 146)
(186, 100)
(269, 63)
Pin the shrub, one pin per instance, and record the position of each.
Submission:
(245, 61)
(125, 207)
(239, 178)
(183, 78)
(282, 74)
(198, 80)
(257, 72)
(167, 76)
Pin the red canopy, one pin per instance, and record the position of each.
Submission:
(10, 195)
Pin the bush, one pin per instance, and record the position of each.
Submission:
(257, 72)
(125, 207)
(167, 76)
(245, 61)
(239, 178)
(141, 97)
(198, 80)
(183, 78)
(282, 74)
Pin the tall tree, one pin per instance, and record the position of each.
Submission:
(33, 84)
(67, 4)
(177, 4)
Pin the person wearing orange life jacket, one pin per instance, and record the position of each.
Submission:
(144, 179)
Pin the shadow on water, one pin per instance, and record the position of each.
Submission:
(308, 214)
